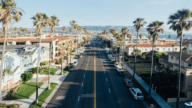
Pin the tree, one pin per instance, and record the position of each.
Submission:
(72, 23)
(40, 20)
(9, 13)
(63, 28)
(185, 50)
(124, 32)
(52, 21)
(138, 24)
(180, 21)
(70, 29)
(154, 29)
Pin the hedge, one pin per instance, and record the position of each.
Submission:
(44, 63)
(27, 76)
(34, 70)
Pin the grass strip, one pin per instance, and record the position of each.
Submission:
(25, 91)
(145, 93)
(52, 72)
(43, 97)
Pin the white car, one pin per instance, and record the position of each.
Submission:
(109, 55)
(188, 103)
(116, 65)
(137, 94)
(75, 63)
(119, 69)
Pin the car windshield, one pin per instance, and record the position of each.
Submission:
(120, 69)
(139, 94)
(129, 81)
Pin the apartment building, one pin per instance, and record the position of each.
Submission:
(172, 60)
(28, 53)
(13, 62)
(148, 47)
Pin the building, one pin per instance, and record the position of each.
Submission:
(148, 47)
(28, 53)
(13, 62)
(172, 60)
(188, 43)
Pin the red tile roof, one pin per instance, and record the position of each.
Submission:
(150, 45)
(34, 39)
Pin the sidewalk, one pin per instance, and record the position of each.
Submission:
(154, 95)
(25, 103)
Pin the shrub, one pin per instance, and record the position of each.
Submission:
(27, 76)
(34, 70)
(44, 63)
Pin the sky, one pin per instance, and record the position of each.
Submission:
(101, 12)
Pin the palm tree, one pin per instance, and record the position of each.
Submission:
(15, 29)
(180, 21)
(138, 24)
(40, 20)
(154, 29)
(53, 21)
(169, 37)
(72, 23)
(124, 32)
(70, 29)
(63, 28)
(9, 13)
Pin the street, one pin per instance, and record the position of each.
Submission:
(94, 83)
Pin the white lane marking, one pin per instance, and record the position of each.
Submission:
(106, 79)
(60, 97)
(109, 90)
(78, 98)
(82, 84)
(84, 75)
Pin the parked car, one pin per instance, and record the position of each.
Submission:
(107, 52)
(136, 93)
(110, 55)
(75, 63)
(128, 82)
(71, 68)
(114, 55)
(119, 69)
(80, 55)
(188, 103)
(121, 73)
(116, 64)
(77, 56)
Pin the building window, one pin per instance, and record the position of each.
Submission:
(157, 48)
(145, 49)
(175, 48)
(189, 65)
(163, 49)
(131, 49)
(168, 49)
(171, 57)
(1, 43)
(25, 65)
(182, 63)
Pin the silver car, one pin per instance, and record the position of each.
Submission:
(137, 94)
(128, 82)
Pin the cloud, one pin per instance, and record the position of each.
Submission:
(158, 2)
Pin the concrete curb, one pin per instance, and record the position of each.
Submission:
(53, 92)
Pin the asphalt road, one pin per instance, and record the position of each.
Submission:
(77, 90)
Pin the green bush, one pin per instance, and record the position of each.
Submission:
(44, 63)
(27, 76)
(34, 70)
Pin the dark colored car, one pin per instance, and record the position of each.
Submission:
(71, 68)
(121, 73)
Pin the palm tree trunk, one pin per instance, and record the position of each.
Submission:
(51, 53)
(71, 52)
(2, 60)
(135, 57)
(61, 65)
(67, 61)
(119, 55)
(116, 56)
(38, 62)
(151, 69)
(124, 53)
(179, 74)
